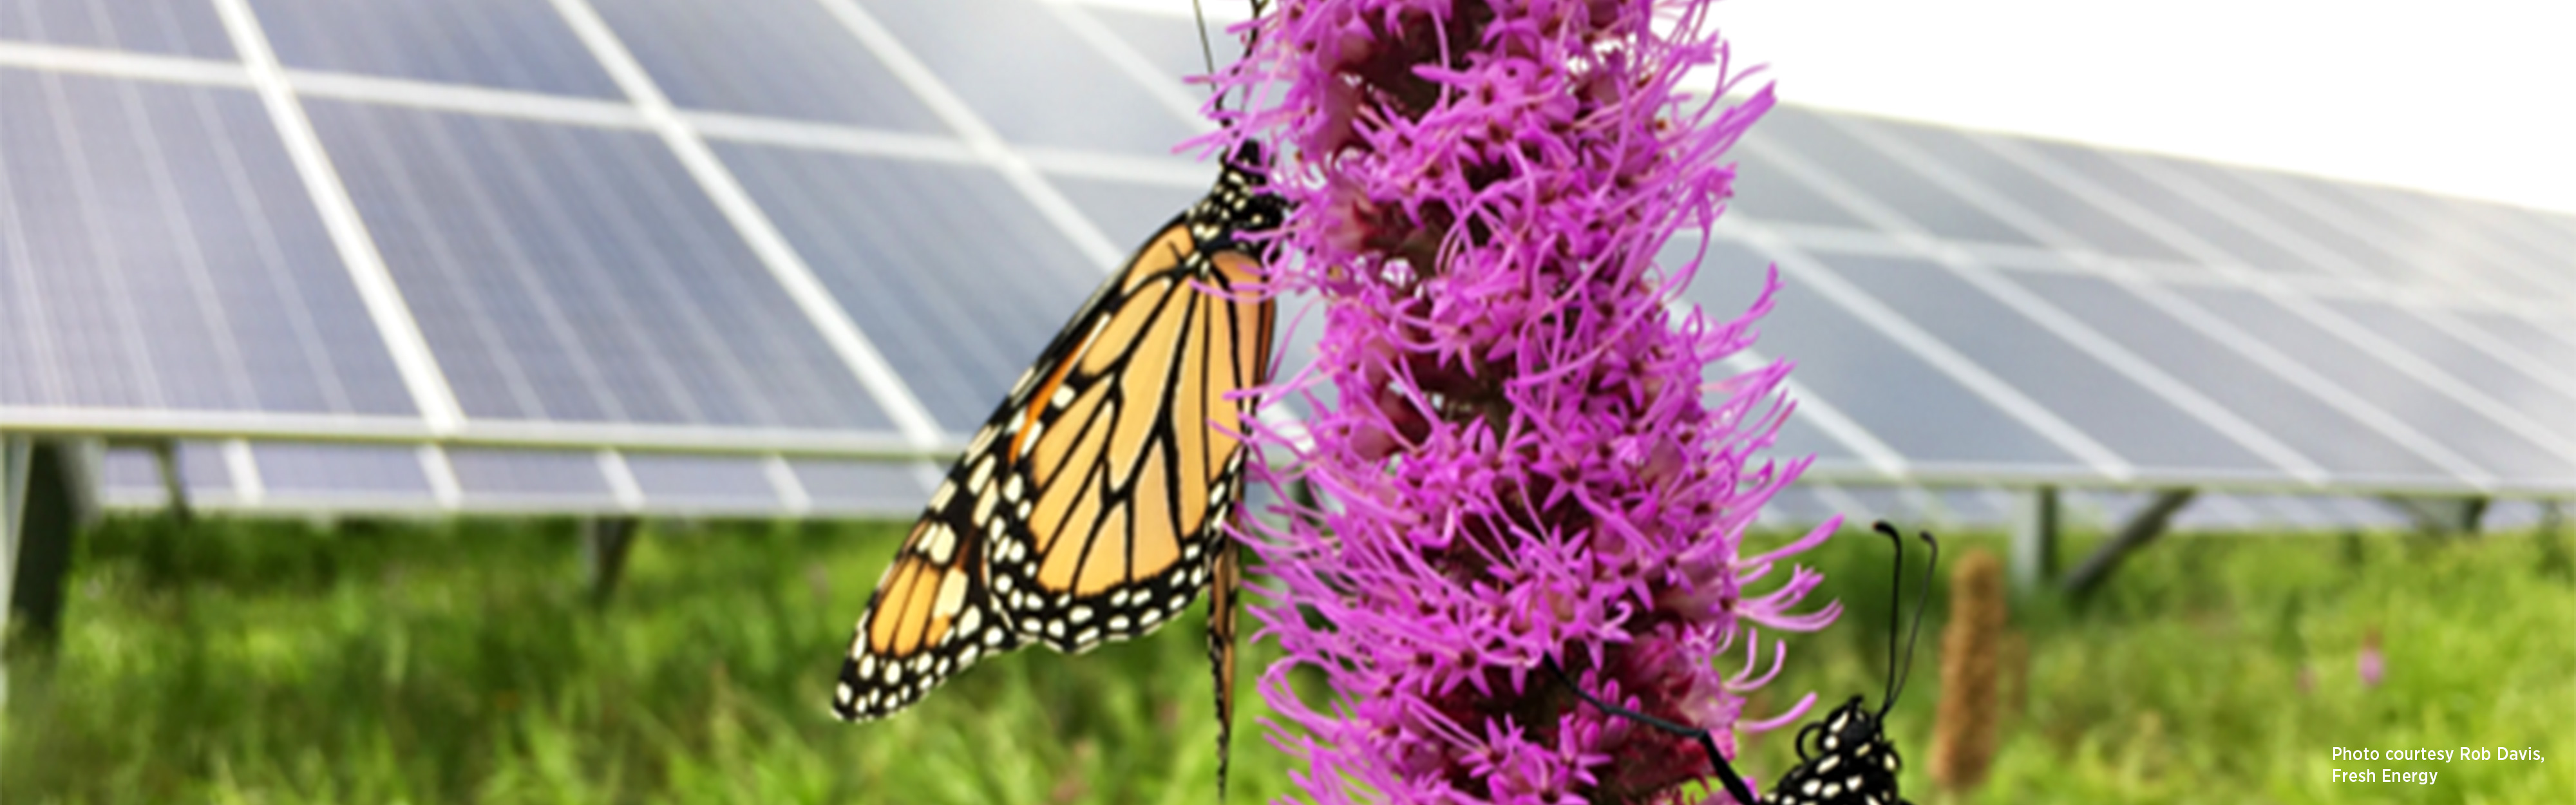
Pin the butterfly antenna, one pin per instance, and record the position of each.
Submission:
(1207, 51)
(1922, 601)
(1726, 775)
(1895, 607)
(1901, 671)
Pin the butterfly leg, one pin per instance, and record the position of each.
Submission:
(1726, 775)
(1226, 571)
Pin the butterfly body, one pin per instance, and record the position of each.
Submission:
(1091, 506)
(1843, 759)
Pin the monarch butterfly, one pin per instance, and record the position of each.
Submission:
(1091, 506)
(1843, 758)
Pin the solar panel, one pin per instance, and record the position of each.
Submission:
(164, 27)
(499, 44)
(855, 220)
(159, 256)
(770, 58)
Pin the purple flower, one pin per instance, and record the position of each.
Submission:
(2373, 665)
(1519, 461)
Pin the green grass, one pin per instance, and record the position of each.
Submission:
(461, 661)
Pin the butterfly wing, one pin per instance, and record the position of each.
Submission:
(931, 616)
(1089, 507)
(1127, 465)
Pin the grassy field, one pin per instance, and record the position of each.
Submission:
(461, 661)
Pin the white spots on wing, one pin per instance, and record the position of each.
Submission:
(1002, 584)
(984, 502)
(939, 499)
(1117, 598)
(1037, 430)
(983, 475)
(1012, 488)
(1829, 763)
(1024, 509)
(1063, 397)
(968, 656)
(842, 694)
(1055, 629)
(1078, 615)
(939, 544)
(1809, 789)
(1030, 626)
(867, 666)
(1087, 637)
(952, 596)
(969, 620)
(993, 637)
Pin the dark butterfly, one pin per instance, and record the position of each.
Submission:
(1843, 758)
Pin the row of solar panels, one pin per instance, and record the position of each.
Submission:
(1964, 308)
(306, 478)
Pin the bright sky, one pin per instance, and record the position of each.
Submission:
(2467, 97)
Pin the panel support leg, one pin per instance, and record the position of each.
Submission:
(2141, 529)
(604, 543)
(58, 496)
(2034, 538)
(2442, 516)
(165, 456)
(16, 456)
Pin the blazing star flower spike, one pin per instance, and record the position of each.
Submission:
(1520, 463)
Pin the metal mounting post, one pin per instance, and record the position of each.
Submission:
(2441, 516)
(56, 496)
(2141, 529)
(2034, 538)
(604, 544)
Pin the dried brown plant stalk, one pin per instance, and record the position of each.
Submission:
(1964, 731)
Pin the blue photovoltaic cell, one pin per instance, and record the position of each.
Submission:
(503, 44)
(2237, 238)
(2459, 427)
(702, 482)
(132, 475)
(1170, 42)
(165, 27)
(1960, 153)
(2456, 244)
(158, 251)
(1915, 409)
(1795, 507)
(1128, 212)
(1033, 80)
(291, 470)
(2469, 362)
(2108, 406)
(2342, 445)
(559, 475)
(1766, 194)
(957, 281)
(2526, 335)
(2324, 226)
(1883, 179)
(866, 487)
(774, 58)
(567, 273)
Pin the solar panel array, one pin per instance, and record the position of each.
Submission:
(760, 257)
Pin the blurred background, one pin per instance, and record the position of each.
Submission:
(514, 400)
